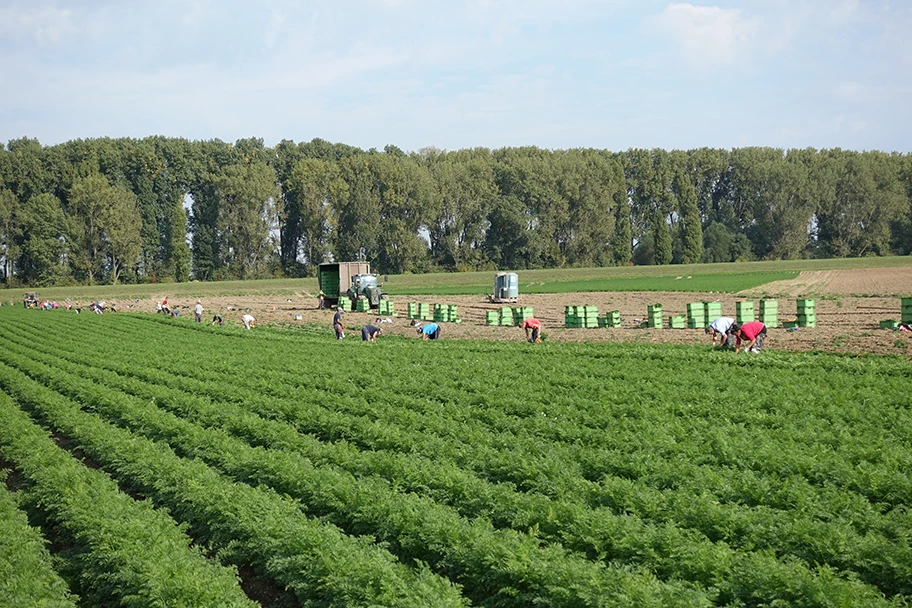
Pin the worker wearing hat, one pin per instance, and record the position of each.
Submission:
(198, 311)
(338, 327)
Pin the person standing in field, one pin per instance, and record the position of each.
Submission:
(720, 328)
(533, 330)
(369, 333)
(198, 311)
(321, 300)
(754, 333)
(248, 320)
(431, 331)
(338, 327)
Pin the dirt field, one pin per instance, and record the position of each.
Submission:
(846, 323)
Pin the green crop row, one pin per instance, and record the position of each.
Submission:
(126, 551)
(636, 492)
(246, 525)
(27, 574)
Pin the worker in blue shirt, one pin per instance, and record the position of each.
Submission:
(431, 331)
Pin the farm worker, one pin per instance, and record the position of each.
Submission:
(248, 320)
(533, 329)
(218, 319)
(338, 327)
(431, 331)
(321, 300)
(369, 333)
(754, 333)
(198, 311)
(720, 328)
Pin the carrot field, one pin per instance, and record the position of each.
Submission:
(152, 461)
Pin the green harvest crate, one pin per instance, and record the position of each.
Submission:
(362, 305)
(889, 324)
(654, 309)
(744, 312)
(345, 304)
(769, 306)
(770, 320)
(790, 324)
(807, 321)
(712, 310)
(694, 323)
(695, 308)
(412, 309)
(805, 305)
(492, 318)
(677, 322)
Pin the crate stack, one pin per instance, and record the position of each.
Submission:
(677, 322)
(807, 317)
(654, 316)
(362, 305)
(419, 310)
(581, 316)
(446, 313)
(769, 313)
(744, 311)
(712, 311)
(506, 316)
(906, 311)
(492, 317)
(696, 315)
(387, 307)
(521, 313)
(345, 304)
(613, 318)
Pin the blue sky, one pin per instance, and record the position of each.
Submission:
(610, 74)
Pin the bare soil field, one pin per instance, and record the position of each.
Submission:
(843, 282)
(846, 323)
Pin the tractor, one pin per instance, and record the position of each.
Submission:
(352, 280)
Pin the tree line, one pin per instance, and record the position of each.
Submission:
(170, 209)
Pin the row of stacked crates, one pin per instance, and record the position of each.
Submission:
(612, 319)
(345, 304)
(581, 316)
(501, 316)
(362, 305)
(654, 316)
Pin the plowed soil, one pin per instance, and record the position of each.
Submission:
(845, 322)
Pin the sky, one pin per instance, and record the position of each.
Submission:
(451, 74)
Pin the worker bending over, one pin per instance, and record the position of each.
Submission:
(431, 331)
(369, 333)
(754, 333)
(720, 328)
(248, 320)
(533, 330)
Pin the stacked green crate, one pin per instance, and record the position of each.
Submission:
(571, 316)
(424, 311)
(445, 313)
(712, 311)
(654, 316)
(677, 322)
(613, 318)
(387, 307)
(521, 313)
(889, 324)
(906, 310)
(412, 310)
(807, 317)
(769, 313)
(328, 281)
(696, 315)
(744, 311)
(589, 315)
(506, 316)
(362, 305)
(345, 304)
(492, 317)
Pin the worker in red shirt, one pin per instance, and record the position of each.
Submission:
(754, 333)
(533, 329)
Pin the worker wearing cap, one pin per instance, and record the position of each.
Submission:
(431, 331)
(754, 333)
(338, 327)
(369, 333)
(720, 328)
(533, 329)
(198, 311)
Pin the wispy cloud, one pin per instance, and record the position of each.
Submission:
(707, 36)
(45, 25)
